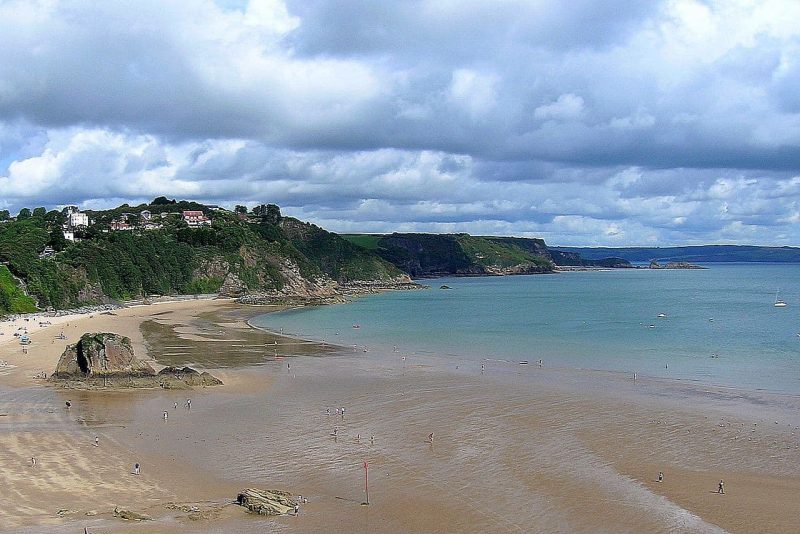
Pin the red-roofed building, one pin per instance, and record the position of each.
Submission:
(195, 218)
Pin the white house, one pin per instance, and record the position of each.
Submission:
(69, 235)
(78, 219)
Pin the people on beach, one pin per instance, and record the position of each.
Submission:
(175, 407)
(342, 412)
(372, 440)
(188, 404)
(483, 368)
(136, 468)
(33, 461)
(96, 441)
(327, 411)
(430, 438)
(296, 509)
(68, 404)
(721, 488)
(166, 414)
(660, 476)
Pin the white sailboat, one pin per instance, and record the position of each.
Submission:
(778, 302)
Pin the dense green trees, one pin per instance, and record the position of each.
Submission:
(174, 259)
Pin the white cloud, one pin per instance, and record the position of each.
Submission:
(566, 107)
(473, 91)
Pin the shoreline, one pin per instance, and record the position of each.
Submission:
(563, 428)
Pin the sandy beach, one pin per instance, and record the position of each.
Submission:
(516, 449)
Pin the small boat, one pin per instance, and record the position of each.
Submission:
(445, 286)
(524, 362)
(356, 326)
(778, 302)
(662, 315)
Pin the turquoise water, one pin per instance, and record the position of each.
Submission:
(589, 320)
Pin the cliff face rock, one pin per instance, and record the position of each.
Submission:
(101, 355)
(266, 502)
(232, 286)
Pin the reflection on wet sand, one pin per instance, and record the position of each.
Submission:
(222, 339)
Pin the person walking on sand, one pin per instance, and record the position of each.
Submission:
(136, 468)
(166, 414)
(660, 476)
(33, 461)
(296, 509)
(188, 404)
(721, 488)
(96, 441)
(176, 406)
(430, 438)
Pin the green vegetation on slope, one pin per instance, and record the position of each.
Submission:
(459, 254)
(367, 241)
(12, 298)
(263, 251)
(338, 257)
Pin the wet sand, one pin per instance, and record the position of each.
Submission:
(516, 449)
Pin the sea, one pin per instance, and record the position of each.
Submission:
(714, 326)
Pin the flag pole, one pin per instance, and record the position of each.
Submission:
(366, 480)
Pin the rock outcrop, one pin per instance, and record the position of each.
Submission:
(108, 360)
(181, 377)
(266, 502)
(101, 355)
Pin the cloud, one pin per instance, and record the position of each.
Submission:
(587, 121)
(566, 107)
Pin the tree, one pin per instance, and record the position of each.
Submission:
(4, 215)
(240, 209)
(23, 214)
(55, 217)
(57, 240)
(162, 201)
(40, 212)
(272, 214)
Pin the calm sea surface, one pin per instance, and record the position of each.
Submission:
(720, 328)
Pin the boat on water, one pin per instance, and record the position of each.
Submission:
(778, 302)
(662, 315)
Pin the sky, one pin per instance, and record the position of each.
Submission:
(585, 122)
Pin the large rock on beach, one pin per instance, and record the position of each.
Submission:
(107, 360)
(102, 355)
(266, 502)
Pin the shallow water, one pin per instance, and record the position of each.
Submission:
(721, 327)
